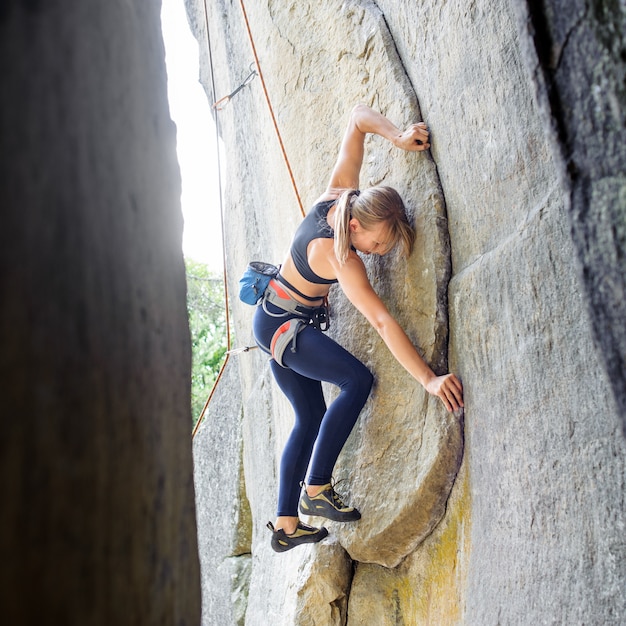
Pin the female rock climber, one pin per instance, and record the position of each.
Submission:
(343, 223)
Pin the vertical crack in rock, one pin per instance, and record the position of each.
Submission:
(550, 55)
(439, 361)
(242, 514)
(578, 73)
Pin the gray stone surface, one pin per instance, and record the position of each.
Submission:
(223, 513)
(97, 522)
(533, 529)
(576, 56)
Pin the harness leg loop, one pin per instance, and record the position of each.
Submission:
(285, 335)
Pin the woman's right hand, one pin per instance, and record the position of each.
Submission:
(414, 138)
(448, 389)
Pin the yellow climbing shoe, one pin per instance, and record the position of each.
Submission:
(328, 504)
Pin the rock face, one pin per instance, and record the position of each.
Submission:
(97, 520)
(577, 54)
(529, 527)
(222, 504)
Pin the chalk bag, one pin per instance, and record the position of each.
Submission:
(254, 282)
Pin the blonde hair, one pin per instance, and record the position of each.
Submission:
(371, 207)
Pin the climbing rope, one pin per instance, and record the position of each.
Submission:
(218, 106)
(269, 104)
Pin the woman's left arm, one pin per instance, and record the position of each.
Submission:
(355, 284)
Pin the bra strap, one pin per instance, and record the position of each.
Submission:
(287, 284)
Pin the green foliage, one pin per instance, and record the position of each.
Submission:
(207, 322)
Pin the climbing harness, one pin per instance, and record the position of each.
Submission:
(287, 333)
(276, 295)
(222, 102)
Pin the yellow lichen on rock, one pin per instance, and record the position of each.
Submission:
(440, 597)
(428, 586)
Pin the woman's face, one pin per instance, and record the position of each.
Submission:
(371, 241)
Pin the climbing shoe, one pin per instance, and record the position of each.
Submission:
(281, 541)
(328, 504)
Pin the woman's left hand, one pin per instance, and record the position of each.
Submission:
(448, 389)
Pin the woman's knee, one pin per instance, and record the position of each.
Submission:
(368, 380)
(361, 380)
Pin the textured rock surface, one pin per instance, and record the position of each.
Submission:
(576, 54)
(533, 529)
(97, 523)
(223, 511)
(428, 586)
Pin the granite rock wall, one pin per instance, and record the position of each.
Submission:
(529, 527)
(576, 55)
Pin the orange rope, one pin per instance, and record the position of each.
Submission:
(293, 182)
(269, 104)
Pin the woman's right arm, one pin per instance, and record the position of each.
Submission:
(364, 120)
(355, 284)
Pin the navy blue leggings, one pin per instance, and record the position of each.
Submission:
(319, 433)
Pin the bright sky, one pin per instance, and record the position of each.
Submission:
(190, 110)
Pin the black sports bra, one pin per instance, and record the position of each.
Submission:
(313, 226)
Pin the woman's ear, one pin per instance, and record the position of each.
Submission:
(354, 225)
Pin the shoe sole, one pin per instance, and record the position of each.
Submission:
(287, 543)
(326, 511)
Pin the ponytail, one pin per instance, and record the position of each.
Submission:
(343, 215)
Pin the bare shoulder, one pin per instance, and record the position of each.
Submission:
(352, 271)
(332, 193)
(356, 286)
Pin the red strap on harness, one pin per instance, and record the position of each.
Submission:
(280, 292)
